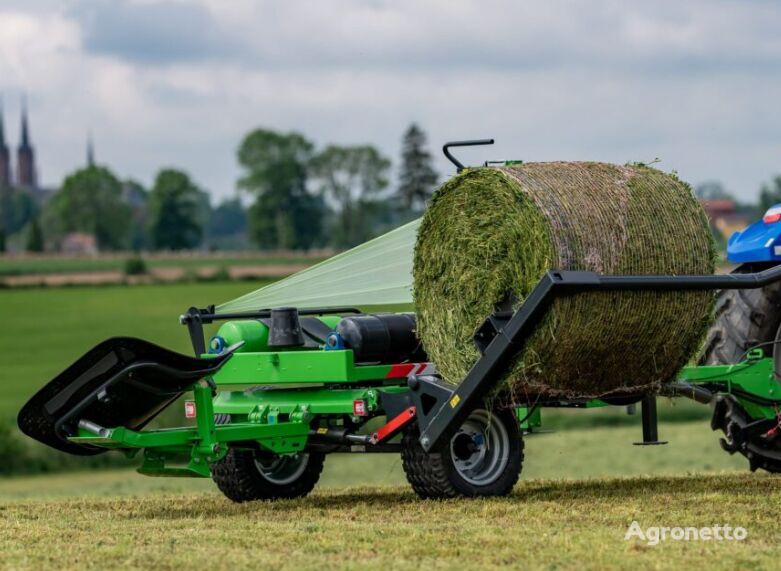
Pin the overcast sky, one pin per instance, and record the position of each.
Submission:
(166, 83)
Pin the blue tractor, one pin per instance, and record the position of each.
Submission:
(750, 317)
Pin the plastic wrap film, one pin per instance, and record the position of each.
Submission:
(375, 276)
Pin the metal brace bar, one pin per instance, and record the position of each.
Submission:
(451, 409)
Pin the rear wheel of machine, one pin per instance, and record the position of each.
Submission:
(245, 476)
(744, 319)
(483, 457)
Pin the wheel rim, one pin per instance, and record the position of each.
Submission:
(283, 470)
(480, 450)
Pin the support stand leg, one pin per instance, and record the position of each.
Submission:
(650, 422)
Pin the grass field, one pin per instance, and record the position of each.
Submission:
(14, 266)
(543, 525)
(44, 330)
(566, 513)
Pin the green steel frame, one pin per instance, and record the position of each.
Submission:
(306, 389)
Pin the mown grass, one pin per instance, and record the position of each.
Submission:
(542, 525)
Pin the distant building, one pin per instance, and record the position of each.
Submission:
(79, 243)
(26, 172)
(724, 217)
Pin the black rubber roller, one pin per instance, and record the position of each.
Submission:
(382, 338)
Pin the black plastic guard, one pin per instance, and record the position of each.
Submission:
(122, 381)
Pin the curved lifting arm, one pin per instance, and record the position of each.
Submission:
(472, 143)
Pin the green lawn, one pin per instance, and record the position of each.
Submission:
(44, 330)
(12, 266)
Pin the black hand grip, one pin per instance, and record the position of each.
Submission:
(472, 143)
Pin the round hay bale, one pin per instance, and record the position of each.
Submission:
(491, 231)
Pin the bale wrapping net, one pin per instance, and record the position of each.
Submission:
(492, 231)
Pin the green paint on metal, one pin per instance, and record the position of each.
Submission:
(754, 376)
(296, 367)
(316, 401)
(253, 332)
(529, 421)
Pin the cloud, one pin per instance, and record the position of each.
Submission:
(158, 32)
(172, 83)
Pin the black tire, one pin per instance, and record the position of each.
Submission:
(446, 472)
(240, 475)
(743, 319)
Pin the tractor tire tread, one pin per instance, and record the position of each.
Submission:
(238, 477)
(432, 475)
(743, 319)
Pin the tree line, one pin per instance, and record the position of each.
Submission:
(290, 196)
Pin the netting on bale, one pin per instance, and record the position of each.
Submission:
(492, 231)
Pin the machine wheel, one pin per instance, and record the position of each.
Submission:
(244, 476)
(744, 319)
(483, 458)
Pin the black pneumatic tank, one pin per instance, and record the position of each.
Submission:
(382, 338)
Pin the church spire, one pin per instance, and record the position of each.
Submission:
(26, 175)
(25, 138)
(90, 150)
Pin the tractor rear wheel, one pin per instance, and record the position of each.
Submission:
(484, 457)
(244, 475)
(743, 319)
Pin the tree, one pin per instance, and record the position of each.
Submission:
(175, 212)
(285, 215)
(229, 218)
(135, 196)
(6, 212)
(770, 194)
(2, 241)
(89, 201)
(352, 178)
(418, 178)
(17, 209)
(227, 227)
(35, 237)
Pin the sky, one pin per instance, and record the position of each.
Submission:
(166, 83)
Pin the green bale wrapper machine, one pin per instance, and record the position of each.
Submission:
(277, 390)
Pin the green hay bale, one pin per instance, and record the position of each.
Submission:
(491, 231)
